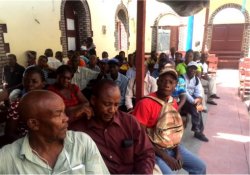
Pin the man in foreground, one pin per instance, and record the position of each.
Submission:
(49, 148)
(147, 112)
(124, 146)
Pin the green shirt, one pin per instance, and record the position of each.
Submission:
(181, 68)
(80, 155)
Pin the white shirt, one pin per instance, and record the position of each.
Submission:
(204, 68)
(149, 86)
(54, 63)
(82, 77)
(131, 73)
(192, 91)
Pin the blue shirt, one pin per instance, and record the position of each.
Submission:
(122, 82)
(180, 88)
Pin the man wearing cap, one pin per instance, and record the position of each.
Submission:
(121, 80)
(147, 112)
(82, 75)
(83, 54)
(207, 80)
(193, 104)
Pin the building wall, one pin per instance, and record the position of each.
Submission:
(103, 14)
(32, 25)
(216, 7)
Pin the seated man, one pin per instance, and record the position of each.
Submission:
(193, 104)
(124, 146)
(149, 86)
(207, 80)
(49, 148)
(120, 79)
(12, 74)
(147, 112)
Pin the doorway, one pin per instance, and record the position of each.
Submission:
(75, 24)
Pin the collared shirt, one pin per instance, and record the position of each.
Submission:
(54, 63)
(123, 144)
(192, 91)
(204, 68)
(78, 156)
(96, 68)
(122, 82)
(180, 88)
(82, 77)
(149, 86)
(131, 73)
(181, 68)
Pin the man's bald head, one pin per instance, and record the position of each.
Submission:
(32, 104)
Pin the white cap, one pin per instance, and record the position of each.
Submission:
(83, 48)
(192, 63)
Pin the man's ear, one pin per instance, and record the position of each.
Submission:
(92, 100)
(33, 124)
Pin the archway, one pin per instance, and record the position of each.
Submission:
(229, 40)
(4, 48)
(75, 24)
(121, 28)
(165, 32)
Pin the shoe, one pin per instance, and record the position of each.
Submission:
(211, 102)
(201, 136)
(214, 96)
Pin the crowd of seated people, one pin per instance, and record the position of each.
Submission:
(98, 96)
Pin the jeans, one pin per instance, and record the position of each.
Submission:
(196, 117)
(191, 163)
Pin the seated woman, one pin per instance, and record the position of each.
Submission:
(76, 103)
(15, 128)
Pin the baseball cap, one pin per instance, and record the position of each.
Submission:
(83, 48)
(113, 61)
(192, 63)
(104, 60)
(168, 70)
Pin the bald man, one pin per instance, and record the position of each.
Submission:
(49, 148)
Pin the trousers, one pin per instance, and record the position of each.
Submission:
(191, 163)
(196, 117)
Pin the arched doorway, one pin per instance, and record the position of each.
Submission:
(4, 48)
(228, 35)
(75, 24)
(165, 33)
(121, 28)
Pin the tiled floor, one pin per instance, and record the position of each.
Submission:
(227, 127)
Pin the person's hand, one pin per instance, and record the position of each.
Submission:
(88, 111)
(197, 101)
(173, 163)
(5, 85)
(178, 157)
(199, 107)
